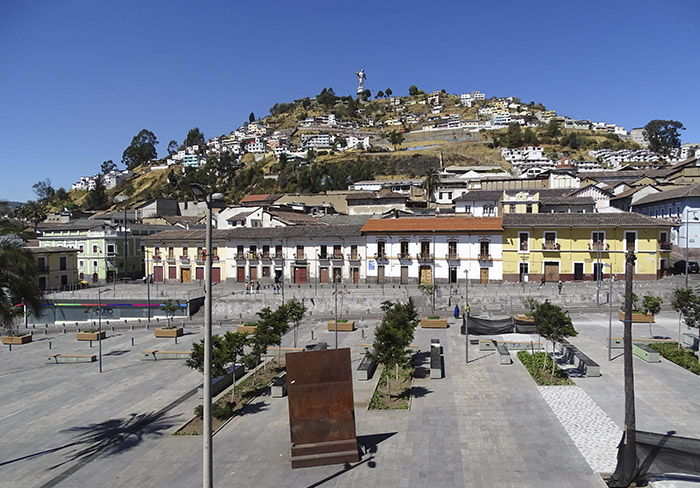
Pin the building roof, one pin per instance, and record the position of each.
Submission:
(290, 217)
(588, 220)
(260, 199)
(673, 194)
(359, 198)
(567, 201)
(79, 224)
(47, 249)
(480, 195)
(261, 233)
(433, 224)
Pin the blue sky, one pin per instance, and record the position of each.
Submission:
(80, 79)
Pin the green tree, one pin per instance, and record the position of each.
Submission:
(251, 117)
(97, 197)
(431, 180)
(219, 357)
(366, 94)
(326, 98)
(514, 136)
(172, 147)
(380, 94)
(664, 135)
(294, 312)
(33, 212)
(552, 129)
(393, 336)
(18, 275)
(530, 138)
(43, 190)
(107, 166)
(195, 137)
(141, 150)
(388, 92)
(413, 90)
(553, 324)
(170, 309)
(395, 138)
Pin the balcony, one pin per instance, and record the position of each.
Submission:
(265, 256)
(184, 259)
(484, 257)
(404, 255)
(171, 259)
(215, 258)
(380, 256)
(156, 257)
(353, 257)
(664, 246)
(324, 256)
(524, 247)
(278, 257)
(551, 246)
(300, 256)
(425, 256)
(598, 246)
(252, 256)
(240, 256)
(337, 257)
(452, 256)
(200, 259)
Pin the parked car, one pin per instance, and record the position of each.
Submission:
(679, 267)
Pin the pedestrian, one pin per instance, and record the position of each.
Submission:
(560, 285)
(247, 288)
(274, 288)
(543, 281)
(257, 287)
(456, 311)
(468, 310)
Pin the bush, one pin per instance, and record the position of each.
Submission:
(539, 365)
(682, 357)
(433, 317)
(221, 412)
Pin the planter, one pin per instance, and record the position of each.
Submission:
(90, 336)
(246, 329)
(347, 326)
(172, 332)
(427, 323)
(525, 318)
(23, 339)
(637, 317)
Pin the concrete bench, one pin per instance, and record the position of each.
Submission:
(586, 365)
(646, 353)
(366, 368)
(503, 354)
(619, 343)
(487, 345)
(690, 340)
(157, 354)
(435, 361)
(522, 345)
(279, 387)
(70, 358)
(220, 383)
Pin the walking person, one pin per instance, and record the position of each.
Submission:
(560, 285)
(257, 287)
(543, 281)
(247, 288)
(456, 311)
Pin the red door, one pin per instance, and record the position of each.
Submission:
(241, 274)
(158, 274)
(299, 275)
(199, 273)
(172, 272)
(216, 275)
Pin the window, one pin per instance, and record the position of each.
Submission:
(512, 208)
(550, 240)
(278, 251)
(62, 263)
(239, 252)
(452, 250)
(266, 252)
(171, 253)
(528, 208)
(94, 264)
(200, 254)
(404, 250)
(337, 252)
(185, 252)
(266, 271)
(630, 241)
(381, 250)
(353, 252)
(468, 208)
(484, 250)
(425, 249)
(300, 252)
(523, 241)
(156, 252)
(81, 249)
(598, 241)
(110, 248)
(253, 251)
(324, 252)
(94, 248)
(82, 263)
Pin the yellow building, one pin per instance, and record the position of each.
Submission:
(570, 246)
(57, 267)
(178, 256)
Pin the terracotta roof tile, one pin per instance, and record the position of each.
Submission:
(437, 224)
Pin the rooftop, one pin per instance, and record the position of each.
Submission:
(433, 224)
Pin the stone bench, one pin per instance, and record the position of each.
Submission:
(278, 389)
(366, 368)
(522, 345)
(487, 345)
(646, 353)
(156, 354)
(435, 361)
(503, 354)
(345, 326)
(690, 340)
(619, 343)
(70, 358)
(571, 354)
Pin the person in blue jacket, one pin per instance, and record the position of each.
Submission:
(456, 311)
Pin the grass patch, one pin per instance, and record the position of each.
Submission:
(539, 365)
(682, 357)
(390, 393)
(230, 405)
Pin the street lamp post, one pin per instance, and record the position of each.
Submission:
(610, 298)
(99, 323)
(597, 271)
(335, 285)
(148, 285)
(207, 468)
(466, 315)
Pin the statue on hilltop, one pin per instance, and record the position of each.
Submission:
(361, 77)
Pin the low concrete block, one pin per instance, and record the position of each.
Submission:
(279, 387)
(70, 358)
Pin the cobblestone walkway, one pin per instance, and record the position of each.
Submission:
(595, 435)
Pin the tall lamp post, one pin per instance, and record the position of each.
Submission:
(207, 468)
(598, 244)
(466, 315)
(335, 292)
(148, 284)
(610, 298)
(687, 240)
(99, 323)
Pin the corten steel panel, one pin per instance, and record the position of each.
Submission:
(321, 404)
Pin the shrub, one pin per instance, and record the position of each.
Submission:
(433, 317)
(682, 357)
(539, 365)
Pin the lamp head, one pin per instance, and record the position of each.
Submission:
(198, 190)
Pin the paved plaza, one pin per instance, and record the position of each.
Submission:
(482, 425)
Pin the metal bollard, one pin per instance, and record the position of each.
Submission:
(49, 344)
(90, 343)
(363, 333)
(112, 328)
(46, 332)
(64, 330)
(175, 339)
(132, 341)
(132, 327)
(312, 335)
(10, 346)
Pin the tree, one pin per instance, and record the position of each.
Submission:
(664, 135)
(141, 150)
(251, 117)
(194, 138)
(431, 180)
(552, 129)
(413, 90)
(553, 324)
(380, 94)
(395, 138)
(388, 92)
(429, 291)
(107, 166)
(366, 94)
(97, 197)
(294, 311)
(327, 97)
(393, 336)
(530, 138)
(514, 136)
(172, 147)
(43, 190)
(224, 351)
(33, 211)
(18, 275)
(687, 304)
(170, 309)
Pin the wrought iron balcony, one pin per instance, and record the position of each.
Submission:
(452, 256)
(484, 257)
(598, 246)
(551, 246)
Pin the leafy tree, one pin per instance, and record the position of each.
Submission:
(395, 138)
(18, 275)
(530, 138)
(388, 92)
(172, 147)
(552, 129)
(431, 180)
(651, 304)
(553, 324)
(393, 336)
(327, 97)
(664, 135)
(219, 357)
(97, 197)
(34, 212)
(294, 311)
(514, 136)
(429, 292)
(43, 190)
(366, 94)
(251, 117)
(413, 90)
(170, 309)
(141, 150)
(380, 94)
(194, 138)
(281, 108)
(107, 166)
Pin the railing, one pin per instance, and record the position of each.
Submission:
(185, 259)
(278, 257)
(337, 256)
(171, 259)
(215, 258)
(404, 255)
(380, 256)
(598, 246)
(452, 256)
(425, 256)
(354, 257)
(240, 255)
(265, 256)
(665, 246)
(253, 256)
(300, 256)
(156, 258)
(484, 257)
(324, 256)
(524, 247)
(551, 246)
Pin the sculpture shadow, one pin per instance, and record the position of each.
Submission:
(420, 363)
